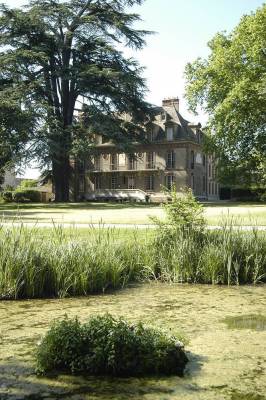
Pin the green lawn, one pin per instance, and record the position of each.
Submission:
(86, 213)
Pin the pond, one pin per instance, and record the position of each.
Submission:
(227, 358)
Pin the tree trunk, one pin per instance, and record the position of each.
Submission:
(61, 178)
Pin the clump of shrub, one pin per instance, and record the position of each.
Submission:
(21, 196)
(184, 216)
(7, 195)
(26, 196)
(109, 346)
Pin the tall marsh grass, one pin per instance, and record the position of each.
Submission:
(35, 265)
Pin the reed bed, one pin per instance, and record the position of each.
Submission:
(35, 265)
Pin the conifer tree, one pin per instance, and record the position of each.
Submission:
(57, 55)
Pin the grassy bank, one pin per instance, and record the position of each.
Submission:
(63, 263)
(134, 213)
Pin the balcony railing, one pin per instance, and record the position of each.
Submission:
(129, 166)
(150, 165)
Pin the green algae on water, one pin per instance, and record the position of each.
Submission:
(236, 395)
(224, 364)
(255, 322)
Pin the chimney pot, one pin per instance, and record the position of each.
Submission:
(171, 101)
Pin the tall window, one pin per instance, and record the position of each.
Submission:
(170, 162)
(192, 184)
(113, 182)
(97, 182)
(81, 166)
(122, 160)
(113, 162)
(149, 182)
(81, 183)
(169, 133)
(150, 135)
(97, 163)
(192, 159)
(204, 183)
(170, 180)
(132, 162)
(150, 160)
(210, 167)
(131, 182)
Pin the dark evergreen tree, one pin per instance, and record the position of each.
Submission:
(56, 56)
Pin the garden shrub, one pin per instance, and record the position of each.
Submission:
(7, 195)
(263, 197)
(184, 215)
(109, 346)
(25, 196)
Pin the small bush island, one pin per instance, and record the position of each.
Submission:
(109, 346)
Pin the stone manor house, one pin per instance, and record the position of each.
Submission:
(172, 155)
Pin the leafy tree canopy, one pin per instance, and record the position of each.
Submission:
(27, 183)
(56, 56)
(230, 85)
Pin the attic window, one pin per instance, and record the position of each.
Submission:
(163, 116)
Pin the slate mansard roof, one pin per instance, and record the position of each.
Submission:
(161, 118)
(168, 115)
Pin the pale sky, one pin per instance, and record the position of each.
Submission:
(183, 29)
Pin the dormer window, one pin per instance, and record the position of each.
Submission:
(169, 133)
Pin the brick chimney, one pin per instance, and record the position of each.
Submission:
(171, 102)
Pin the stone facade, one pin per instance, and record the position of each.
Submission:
(173, 155)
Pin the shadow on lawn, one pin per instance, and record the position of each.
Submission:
(74, 206)
(232, 204)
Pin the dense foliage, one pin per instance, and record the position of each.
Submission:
(109, 346)
(7, 195)
(21, 196)
(26, 196)
(184, 214)
(54, 57)
(230, 86)
(27, 184)
(34, 263)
